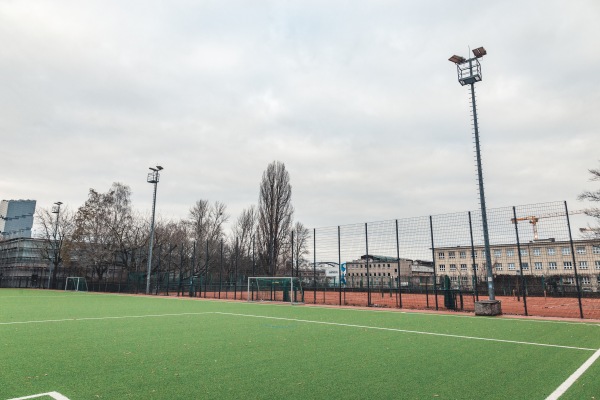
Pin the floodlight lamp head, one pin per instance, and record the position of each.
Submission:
(153, 169)
(479, 52)
(58, 203)
(457, 59)
(159, 168)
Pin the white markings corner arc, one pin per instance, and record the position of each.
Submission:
(54, 395)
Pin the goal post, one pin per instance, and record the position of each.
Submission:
(76, 284)
(275, 288)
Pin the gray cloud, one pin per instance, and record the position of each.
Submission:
(356, 98)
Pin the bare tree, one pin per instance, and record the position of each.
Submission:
(244, 229)
(206, 221)
(593, 196)
(56, 231)
(300, 245)
(275, 212)
(103, 227)
(242, 239)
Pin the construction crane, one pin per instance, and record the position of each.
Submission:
(533, 219)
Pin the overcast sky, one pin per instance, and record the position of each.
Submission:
(356, 98)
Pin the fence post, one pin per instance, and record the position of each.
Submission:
(574, 262)
(221, 270)
(292, 262)
(179, 287)
(339, 264)
(193, 285)
(236, 270)
(367, 259)
(434, 266)
(206, 272)
(315, 264)
(399, 289)
(523, 291)
(157, 269)
(475, 291)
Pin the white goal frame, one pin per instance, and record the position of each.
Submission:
(255, 293)
(79, 282)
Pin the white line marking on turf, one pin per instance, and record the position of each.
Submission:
(101, 318)
(571, 380)
(297, 320)
(409, 331)
(54, 395)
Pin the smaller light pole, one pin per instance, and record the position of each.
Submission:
(153, 177)
(55, 210)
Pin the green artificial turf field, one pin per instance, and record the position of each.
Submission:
(103, 346)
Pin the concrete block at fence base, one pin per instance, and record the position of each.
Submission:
(488, 307)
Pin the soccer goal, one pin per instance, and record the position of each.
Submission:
(76, 284)
(276, 288)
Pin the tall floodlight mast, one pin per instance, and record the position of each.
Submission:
(153, 178)
(469, 72)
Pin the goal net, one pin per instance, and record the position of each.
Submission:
(278, 288)
(76, 284)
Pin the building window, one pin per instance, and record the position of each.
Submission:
(441, 255)
(497, 253)
(451, 254)
(583, 265)
(568, 281)
(511, 266)
(524, 252)
(463, 267)
(580, 250)
(483, 253)
(551, 251)
(537, 265)
(498, 266)
(454, 278)
(552, 265)
(597, 264)
(537, 251)
(525, 266)
(452, 267)
(596, 249)
(464, 278)
(474, 254)
(566, 251)
(463, 254)
(510, 252)
(442, 268)
(567, 265)
(586, 280)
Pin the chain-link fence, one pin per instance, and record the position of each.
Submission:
(436, 262)
(440, 262)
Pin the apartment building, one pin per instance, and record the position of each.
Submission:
(383, 271)
(541, 258)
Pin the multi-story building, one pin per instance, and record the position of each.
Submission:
(546, 260)
(16, 218)
(22, 263)
(384, 271)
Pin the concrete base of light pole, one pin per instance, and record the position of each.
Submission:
(488, 308)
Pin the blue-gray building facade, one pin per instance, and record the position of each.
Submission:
(16, 218)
